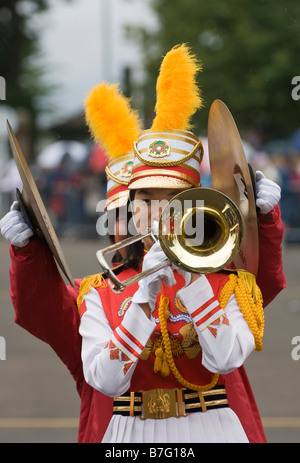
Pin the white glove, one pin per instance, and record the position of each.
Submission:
(14, 228)
(150, 286)
(268, 193)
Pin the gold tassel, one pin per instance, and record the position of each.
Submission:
(158, 360)
(250, 302)
(165, 370)
(161, 362)
(249, 280)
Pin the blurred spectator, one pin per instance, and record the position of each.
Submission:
(283, 167)
(71, 186)
(289, 171)
(9, 181)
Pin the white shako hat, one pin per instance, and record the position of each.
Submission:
(169, 154)
(118, 174)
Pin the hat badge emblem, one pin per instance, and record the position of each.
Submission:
(126, 169)
(159, 149)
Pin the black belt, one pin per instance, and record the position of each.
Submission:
(164, 403)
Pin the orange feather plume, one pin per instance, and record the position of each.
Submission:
(111, 120)
(177, 94)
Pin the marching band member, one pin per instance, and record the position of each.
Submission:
(33, 264)
(163, 348)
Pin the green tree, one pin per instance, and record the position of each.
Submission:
(249, 51)
(19, 45)
(19, 42)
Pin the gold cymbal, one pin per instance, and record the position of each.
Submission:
(231, 175)
(33, 207)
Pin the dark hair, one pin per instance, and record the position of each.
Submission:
(134, 252)
(117, 256)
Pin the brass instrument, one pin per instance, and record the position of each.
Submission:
(228, 213)
(231, 174)
(33, 208)
(200, 230)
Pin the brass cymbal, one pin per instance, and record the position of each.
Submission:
(231, 175)
(33, 207)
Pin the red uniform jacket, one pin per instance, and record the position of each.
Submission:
(190, 366)
(49, 312)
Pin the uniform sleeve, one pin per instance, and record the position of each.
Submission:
(44, 305)
(270, 276)
(110, 356)
(224, 335)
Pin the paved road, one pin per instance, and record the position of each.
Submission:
(38, 400)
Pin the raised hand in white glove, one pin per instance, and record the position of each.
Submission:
(268, 193)
(150, 286)
(14, 227)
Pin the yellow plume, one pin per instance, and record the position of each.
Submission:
(177, 94)
(111, 121)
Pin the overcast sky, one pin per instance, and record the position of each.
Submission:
(83, 43)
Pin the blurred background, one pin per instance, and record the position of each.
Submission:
(52, 53)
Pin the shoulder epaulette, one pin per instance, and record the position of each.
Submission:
(95, 281)
(243, 285)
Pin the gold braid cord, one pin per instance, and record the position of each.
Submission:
(94, 281)
(249, 300)
(163, 304)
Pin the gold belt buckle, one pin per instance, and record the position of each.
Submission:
(161, 403)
